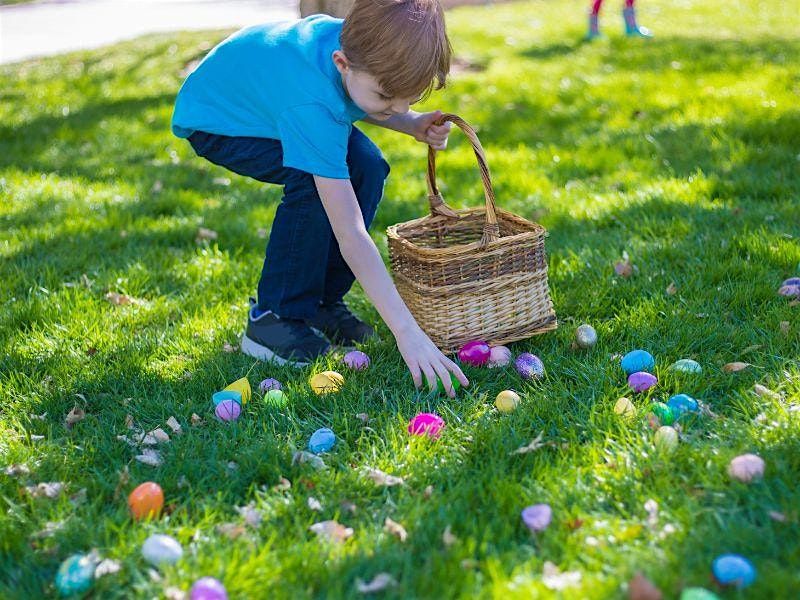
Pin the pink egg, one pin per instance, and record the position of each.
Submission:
(499, 356)
(356, 360)
(474, 353)
(641, 381)
(746, 468)
(228, 410)
(426, 424)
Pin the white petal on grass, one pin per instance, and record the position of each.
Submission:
(381, 478)
(395, 529)
(380, 582)
(554, 579)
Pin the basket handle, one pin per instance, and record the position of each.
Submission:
(491, 230)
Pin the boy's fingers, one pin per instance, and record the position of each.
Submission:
(430, 376)
(416, 376)
(455, 370)
(444, 376)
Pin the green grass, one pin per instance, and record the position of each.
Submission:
(681, 151)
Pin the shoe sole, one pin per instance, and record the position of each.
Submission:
(256, 350)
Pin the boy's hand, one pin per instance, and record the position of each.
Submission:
(424, 358)
(425, 131)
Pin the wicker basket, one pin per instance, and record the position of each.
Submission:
(479, 273)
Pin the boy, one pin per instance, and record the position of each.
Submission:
(276, 102)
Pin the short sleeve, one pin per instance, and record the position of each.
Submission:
(314, 142)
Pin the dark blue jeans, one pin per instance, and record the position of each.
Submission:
(303, 265)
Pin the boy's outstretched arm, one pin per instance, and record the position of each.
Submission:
(362, 256)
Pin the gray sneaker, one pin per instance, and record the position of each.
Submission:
(340, 326)
(285, 341)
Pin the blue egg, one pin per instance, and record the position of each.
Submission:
(732, 569)
(682, 404)
(321, 440)
(75, 575)
(638, 360)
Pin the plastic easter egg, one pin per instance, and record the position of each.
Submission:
(275, 398)
(686, 365)
(356, 360)
(624, 408)
(507, 401)
(326, 382)
(666, 438)
(146, 500)
(429, 424)
(243, 387)
(322, 440)
(475, 353)
(792, 281)
(698, 594)
(641, 381)
(537, 517)
(161, 549)
(746, 468)
(734, 570)
(663, 413)
(75, 575)
(529, 366)
(453, 380)
(682, 404)
(499, 356)
(789, 291)
(269, 384)
(637, 360)
(585, 336)
(222, 396)
(228, 410)
(208, 588)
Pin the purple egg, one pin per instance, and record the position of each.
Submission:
(208, 588)
(475, 353)
(499, 356)
(269, 384)
(641, 381)
(356, 360)
(228, 410)
(537, 517)
(792, 281)
(529, 366)
(789, 290)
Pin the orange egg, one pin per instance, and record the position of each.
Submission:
(146, 500)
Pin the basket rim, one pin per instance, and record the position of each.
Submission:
(392, 233)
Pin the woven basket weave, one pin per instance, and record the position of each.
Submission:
(478, 273)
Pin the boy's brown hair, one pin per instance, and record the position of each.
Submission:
(403, 44)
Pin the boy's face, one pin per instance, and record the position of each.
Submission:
(365, 91)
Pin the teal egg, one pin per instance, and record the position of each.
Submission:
(698, 594)
(663, 412)
(681, 404)
(686, 365)
(75, 575)
(638, 360)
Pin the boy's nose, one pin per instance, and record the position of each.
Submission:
(400, 108)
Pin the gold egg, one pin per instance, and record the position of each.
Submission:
(326, 382)
(507, 401)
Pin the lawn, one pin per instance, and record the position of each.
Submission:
(680, 152)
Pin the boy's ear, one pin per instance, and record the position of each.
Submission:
(341, 62)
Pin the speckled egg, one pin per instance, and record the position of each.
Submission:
(682, 405)
(529, 366)
(499, 356)
(637, 360)
(686, 365)
(322, 440)
(208, 588)
(228, 410)
(356, 360)
(507, 401)
(75, 575)
(746, 468)
(146, 500)
(269, 384)
(624, 408)
(663, 413)
(160, 549)
(537, 517)
(326, 382)
(475, 353)
(585, 336)
(429, 424)
(666, 438)
(641, 381)
(733, 570)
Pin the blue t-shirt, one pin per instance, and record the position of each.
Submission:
(275, 80)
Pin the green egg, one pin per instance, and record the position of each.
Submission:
(663, 412)
(275, 398)
(440, 386)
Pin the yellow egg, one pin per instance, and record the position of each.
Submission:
(625, 408)
(506, 401)
(326, 382)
